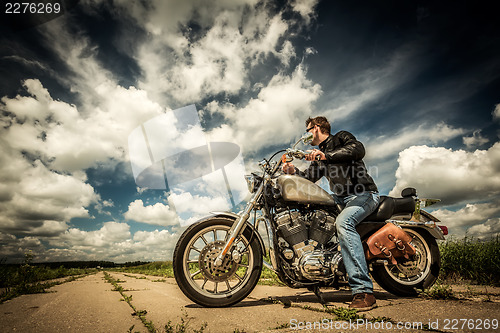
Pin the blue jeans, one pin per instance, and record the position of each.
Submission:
(357, 207)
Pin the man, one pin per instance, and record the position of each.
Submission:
(339, 159)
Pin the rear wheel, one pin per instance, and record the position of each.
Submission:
(197, 276)
(406, 278)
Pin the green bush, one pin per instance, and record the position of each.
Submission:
(29, 278)
(471, 259)
(157, 268)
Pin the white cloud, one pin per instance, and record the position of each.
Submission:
(387, 145)
(14, 249)
(157, 238)
(157, 214)
(46, 147)
(287, 53)
(111, 232)
(488, 230)
(28, 63)
(476, 140)
(66, 138)
(103, 205)
(451, 175)
(113, 241)
(191, 207)
(305, 8)
(185, 65)
(276, 115)
(496, 112)
(40, 201)
(479, 219)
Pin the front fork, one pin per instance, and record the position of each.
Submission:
(238, 226)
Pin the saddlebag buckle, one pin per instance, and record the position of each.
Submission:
(389, 242)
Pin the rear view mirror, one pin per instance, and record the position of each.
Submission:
(306, 138)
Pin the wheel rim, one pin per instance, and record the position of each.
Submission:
(415, 271)
(201, 273)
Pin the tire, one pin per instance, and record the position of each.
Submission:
(195, 273)
(408, 278)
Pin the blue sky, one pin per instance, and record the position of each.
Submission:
(417, 82)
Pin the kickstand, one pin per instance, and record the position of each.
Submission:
(318, 294)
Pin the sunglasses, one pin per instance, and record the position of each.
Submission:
(310, 128)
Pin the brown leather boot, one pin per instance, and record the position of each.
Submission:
(363, 302)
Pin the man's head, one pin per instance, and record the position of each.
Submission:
(319, 127)
(319, 121)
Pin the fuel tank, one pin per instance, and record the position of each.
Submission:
(295, 188)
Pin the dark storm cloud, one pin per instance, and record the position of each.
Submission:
(449, 51)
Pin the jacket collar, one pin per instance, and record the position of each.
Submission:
(325, 142)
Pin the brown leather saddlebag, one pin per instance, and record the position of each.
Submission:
(389, 242)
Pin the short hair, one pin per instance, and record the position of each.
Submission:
(322, 122)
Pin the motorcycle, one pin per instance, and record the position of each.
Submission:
(218, 260)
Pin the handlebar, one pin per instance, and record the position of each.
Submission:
(270, 168)
(300, 154)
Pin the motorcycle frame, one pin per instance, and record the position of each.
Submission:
(241, 221)
(430, 226)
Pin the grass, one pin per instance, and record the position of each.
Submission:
(157, 268)
(339, 313)
(183, 326)
(164, 269)
(471, 260)
(269, 278)
(438, 291)
(442, 290)
(141, 314)
(280, 326)
(136, 277)
(159, 280)
(30, 279)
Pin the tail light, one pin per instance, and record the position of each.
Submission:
(444, 229)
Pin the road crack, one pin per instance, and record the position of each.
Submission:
(340, 313)
(141, 314)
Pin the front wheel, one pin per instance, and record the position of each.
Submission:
(197, 276)
(405, 279)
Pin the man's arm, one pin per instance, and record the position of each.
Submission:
(313, 173)
(351, 150)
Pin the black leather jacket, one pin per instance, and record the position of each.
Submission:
(344, 168)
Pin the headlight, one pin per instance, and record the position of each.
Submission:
(253, 182)
(250, 183)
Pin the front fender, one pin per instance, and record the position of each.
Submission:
(233, 216)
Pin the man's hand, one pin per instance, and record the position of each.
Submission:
(313, 156)
(288, 168)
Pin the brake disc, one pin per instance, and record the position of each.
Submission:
(414, 267)
(206, 261)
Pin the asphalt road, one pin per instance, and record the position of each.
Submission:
(90, 304)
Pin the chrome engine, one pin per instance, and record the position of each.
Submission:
(302, 241)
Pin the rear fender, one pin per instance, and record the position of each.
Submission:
(430, 226)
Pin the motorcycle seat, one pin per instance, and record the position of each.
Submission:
(390, 206)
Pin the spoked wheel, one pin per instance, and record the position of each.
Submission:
(406, 278)
(216, 286)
